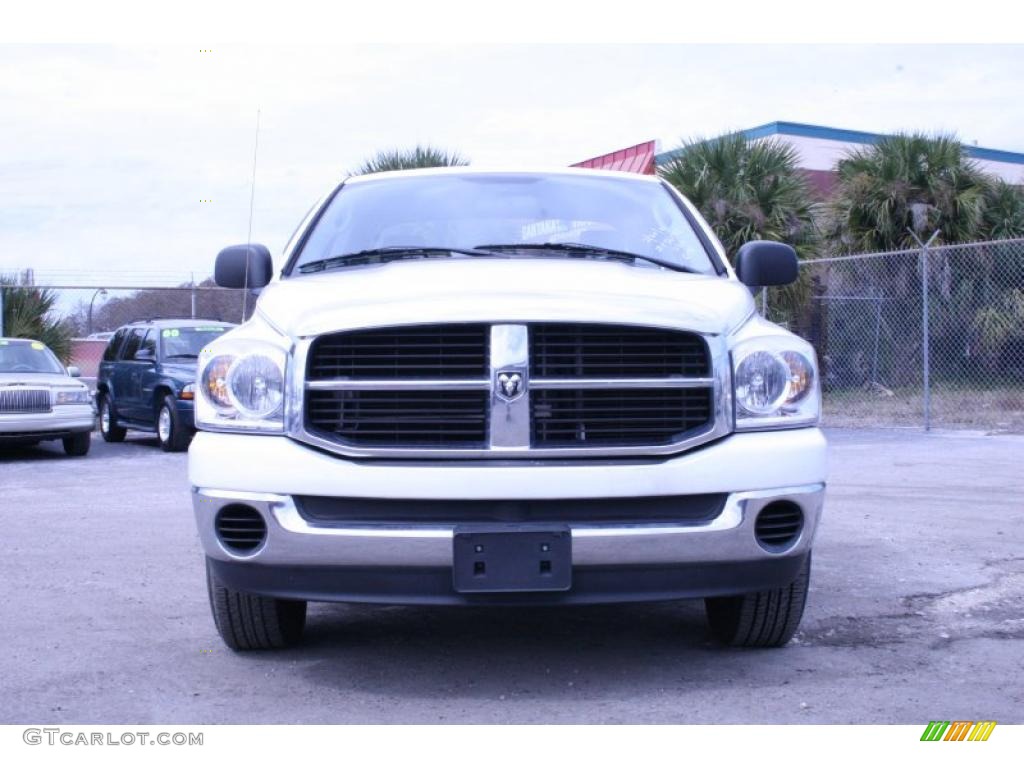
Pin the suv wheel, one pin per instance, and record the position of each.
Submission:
(767, 619)
(169, 430)
(77, 444)
(110, 431)
(249, 622)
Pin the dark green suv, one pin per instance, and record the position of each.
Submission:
(147, 379)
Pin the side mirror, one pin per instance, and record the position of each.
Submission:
(234, 261)
(73, 371)
(145, 355)
(762, 262)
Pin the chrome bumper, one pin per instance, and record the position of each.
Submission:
(293, 541)
(62, 419)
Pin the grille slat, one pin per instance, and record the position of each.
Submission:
(375, 417)
(576, 418)
(25, 401)
(434, 351)
(583, 350)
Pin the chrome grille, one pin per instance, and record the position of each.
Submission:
(582, 388)
(16, 400)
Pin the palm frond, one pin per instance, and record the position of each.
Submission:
(405, 159)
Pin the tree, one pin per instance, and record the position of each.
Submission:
(903, 189)
(29, 314)
(403, 159)
(750, 190)
(913, 183)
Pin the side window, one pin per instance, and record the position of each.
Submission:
(149, 343)
(110, 353)
(133, 343)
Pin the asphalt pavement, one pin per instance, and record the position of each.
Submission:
(916, 613)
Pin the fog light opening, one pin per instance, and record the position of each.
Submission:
(240, 528)
(778, 526)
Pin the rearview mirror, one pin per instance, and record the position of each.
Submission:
(243, 266)
(760, 263)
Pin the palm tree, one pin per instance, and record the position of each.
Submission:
(912, 184)
(28, 314)
(403, 159)
(750, 190)
(903, 189)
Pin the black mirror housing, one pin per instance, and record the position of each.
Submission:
(761, 263)
(233, 261)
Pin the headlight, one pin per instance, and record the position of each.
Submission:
(775, 381)
(72, 397)
(241, 386)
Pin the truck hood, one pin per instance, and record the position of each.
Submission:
(515, 290)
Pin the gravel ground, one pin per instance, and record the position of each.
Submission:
(915, 614)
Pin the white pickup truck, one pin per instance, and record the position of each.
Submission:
(470, 387)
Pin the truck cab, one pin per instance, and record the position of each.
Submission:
(474, 387)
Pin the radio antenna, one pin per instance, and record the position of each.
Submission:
(252, 200)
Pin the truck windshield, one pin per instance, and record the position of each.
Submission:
(17, 356)
(542, 213)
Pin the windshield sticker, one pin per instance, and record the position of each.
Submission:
(170, 332)
(37, 345)
(208, 328)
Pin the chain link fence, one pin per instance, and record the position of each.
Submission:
(930, 337)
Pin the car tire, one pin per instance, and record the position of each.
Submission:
(249, 622)
(108, 429)
(766, 619)
(77, 444)
(171, 433)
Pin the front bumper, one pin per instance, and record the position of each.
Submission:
(412, 563)
(62, 421)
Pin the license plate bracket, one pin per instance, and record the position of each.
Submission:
(513, 558)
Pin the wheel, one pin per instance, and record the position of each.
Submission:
(170, 431)
(110, 431)
(249, 622)
(765, 619)
(77, 444)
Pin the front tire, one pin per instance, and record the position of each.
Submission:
(172, 434)
(77, 444)
(766, 619)
(249, 622)
(108, 428)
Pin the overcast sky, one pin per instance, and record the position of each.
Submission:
(107, 152)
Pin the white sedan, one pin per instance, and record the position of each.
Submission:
(40, 399)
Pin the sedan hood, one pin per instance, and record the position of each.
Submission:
(515, 290)
(38, 380)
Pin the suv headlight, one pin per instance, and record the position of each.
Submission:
(775, 383)
(241, 386)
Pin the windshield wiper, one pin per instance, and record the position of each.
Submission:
(390, 253)
(189, 355)
(588, 250)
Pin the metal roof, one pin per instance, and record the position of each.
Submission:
(636, 159)
(782, 128)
